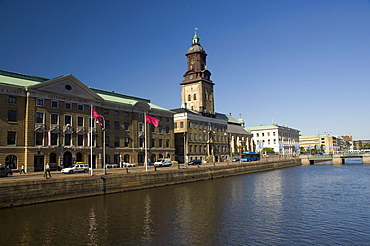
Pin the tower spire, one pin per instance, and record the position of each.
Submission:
(196, 38)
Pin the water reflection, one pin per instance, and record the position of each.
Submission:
(308, 205)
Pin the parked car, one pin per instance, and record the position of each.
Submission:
(128, 164)
(5, 172)
(236, 159)
(195, 162)
(77, 168)
(111, 165)
(163, 163)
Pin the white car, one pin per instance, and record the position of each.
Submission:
(163, 163)
(128, 164)
(77, 168)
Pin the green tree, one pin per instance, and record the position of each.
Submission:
(268, 150)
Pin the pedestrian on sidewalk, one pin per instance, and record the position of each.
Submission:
(47, 171)
(22, 170)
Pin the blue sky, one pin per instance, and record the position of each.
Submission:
(298, 63)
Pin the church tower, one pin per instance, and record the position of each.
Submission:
(197, 87)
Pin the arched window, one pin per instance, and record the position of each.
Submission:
(126, 158)
(189, 97)
(53, 158)
(11, 161)
(195, 97)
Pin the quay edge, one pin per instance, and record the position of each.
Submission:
(25, 192)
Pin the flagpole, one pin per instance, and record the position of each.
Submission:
(145, 144)
(91, 141)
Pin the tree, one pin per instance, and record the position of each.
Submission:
(268, 150)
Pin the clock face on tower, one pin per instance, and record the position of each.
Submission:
(192, 61)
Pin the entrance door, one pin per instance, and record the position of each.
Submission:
(38, 163)
(67, 159)
(140, 158)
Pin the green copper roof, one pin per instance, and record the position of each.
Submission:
(19, 80)
(25, 81)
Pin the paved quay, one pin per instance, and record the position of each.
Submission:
(24, 189)
(100, 171)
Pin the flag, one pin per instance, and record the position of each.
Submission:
(99, 119)
(152, 120)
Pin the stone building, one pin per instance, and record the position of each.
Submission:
(200, 132)
(49, 120)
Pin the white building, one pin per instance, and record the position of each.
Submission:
(283, 139)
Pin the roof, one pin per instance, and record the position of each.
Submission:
(266, 127)
(27, 81)
(237, 129)
(316, 136)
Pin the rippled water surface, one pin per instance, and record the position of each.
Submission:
(308, 205)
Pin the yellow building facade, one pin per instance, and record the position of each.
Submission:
(49, 121)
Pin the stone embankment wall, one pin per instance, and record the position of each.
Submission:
(45, 190)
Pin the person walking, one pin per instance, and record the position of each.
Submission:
(47, 171)
(22, 170)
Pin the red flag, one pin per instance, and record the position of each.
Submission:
(152, 120)
(99, 119)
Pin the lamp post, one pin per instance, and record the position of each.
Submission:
(103, 130)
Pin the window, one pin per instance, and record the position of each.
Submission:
(152, 128)
(195, 98)
(39, 117)
(195, 148)
(67, 119)
(116, 113)
(126, 158)
(140, 127)
(175, 125)
(68, 106)
(80, 140)
(181, 124)
(67, 139)
(190, 123)
(107, 158)
(116, 158)
(189, 97)
(107, 127)
(126, 125)
(153, 143)
(54, 138)
(167, 119)
(80, 121)
(39, 138)
(80, 107)
(11, 138)
(141, 142)
(127, 141)
(105, 111)
(116, 125)
(160, 129)
(116, 141)
(141, 116)
(107, 141)
(12, 116)
(12, 99)
(40, 102)
(54, 104)
(167, 129)
(167, 143)
(190, 136)
(125, 114)
(54, 119)
(160, 143)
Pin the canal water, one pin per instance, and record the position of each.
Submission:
(306, 205)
